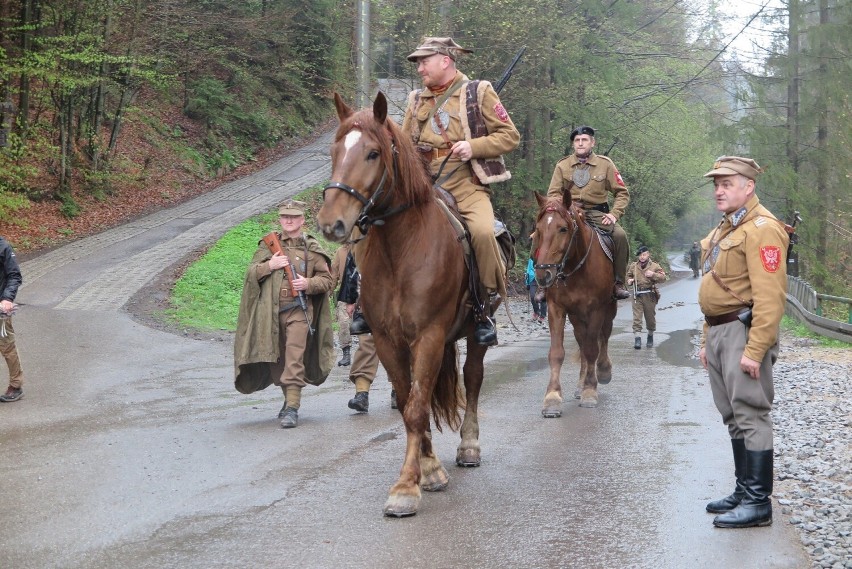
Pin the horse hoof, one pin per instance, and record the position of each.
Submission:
(604, 379)
(468, 457)
(401, 506)
(577, 394)
(551, 413)
(435, 481)
(589, 402)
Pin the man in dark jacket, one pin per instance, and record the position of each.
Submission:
(10, 280)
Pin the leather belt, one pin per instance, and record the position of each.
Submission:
(601, 207)
(440, 153)
(724, 318)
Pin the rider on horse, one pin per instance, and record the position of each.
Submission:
(591, 177)
(453, 116)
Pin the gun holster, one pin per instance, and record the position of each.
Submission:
(745, 317)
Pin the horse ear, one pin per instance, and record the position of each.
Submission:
(540, 199)
(343, 110)
(380, 107)
(566, 198)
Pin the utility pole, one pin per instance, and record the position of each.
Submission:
(362, 60)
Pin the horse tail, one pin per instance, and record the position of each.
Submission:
(447, 397)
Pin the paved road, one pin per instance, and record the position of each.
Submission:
(132, 449)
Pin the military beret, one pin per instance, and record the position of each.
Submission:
(733, 165)
(432, 45)
(291, 207)
(582, 130)
(641, 250)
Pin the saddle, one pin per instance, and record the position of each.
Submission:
(606, 241)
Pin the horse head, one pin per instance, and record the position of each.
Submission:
(557, 232)
(362, 168)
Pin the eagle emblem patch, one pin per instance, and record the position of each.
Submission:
(770, 256)
(500, 110)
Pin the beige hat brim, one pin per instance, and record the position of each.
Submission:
(413, 57)
(290, 211)
(722, 172)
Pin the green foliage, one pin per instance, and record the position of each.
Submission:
(801, 331)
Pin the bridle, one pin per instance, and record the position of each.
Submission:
(560, 266)
(366, 218)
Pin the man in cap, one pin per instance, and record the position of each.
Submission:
(465, 120)
(695, 259)
(743, 296)
(343, 316)
(274, 342)
(591, 178)
(645, 273)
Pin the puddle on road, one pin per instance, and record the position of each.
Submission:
(680, 348)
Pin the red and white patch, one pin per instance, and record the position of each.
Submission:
(770, 256)
(618, 178)
(501, 112)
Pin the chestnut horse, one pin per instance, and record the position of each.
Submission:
(415, 289)
(570, 264)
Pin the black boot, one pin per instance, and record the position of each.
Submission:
(290, 418)
(619, 292)
(650, 342)
(728, 503)
(358, 325)
(485, 333)
(345, 360)
(393, 400)
(755, 509)
(637, 343)
(361, 402)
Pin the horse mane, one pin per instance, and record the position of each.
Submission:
(414, 185)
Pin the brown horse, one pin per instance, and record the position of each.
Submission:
(415, 289)
(570, 264)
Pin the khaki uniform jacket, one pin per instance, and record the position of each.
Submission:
(751, 260)
(604, 179)
(338, 264)
(502, 135)
(637, 273)
(256, 339)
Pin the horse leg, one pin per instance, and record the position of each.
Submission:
(587, 339)
(468, 453)
(604, 364)
(404, 497)
(434, 476)
(555, 357)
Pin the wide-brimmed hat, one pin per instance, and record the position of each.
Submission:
(291, 207)
(582, 130)
(433, 45)
(733, 165)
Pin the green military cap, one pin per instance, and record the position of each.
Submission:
(733, 165)
(432, 45)
(291, 207)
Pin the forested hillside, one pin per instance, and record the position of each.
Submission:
(112, 102)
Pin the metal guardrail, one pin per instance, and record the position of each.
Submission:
(805, 305)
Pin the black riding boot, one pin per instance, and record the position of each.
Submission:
(650, 341)
(485, 333)
(637, 343)
(345, 360)
(358, 325)
(619, 292)
(756, 506)
(728, 503)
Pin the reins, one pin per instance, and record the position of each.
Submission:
(560, 267)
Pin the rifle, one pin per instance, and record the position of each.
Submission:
(508, 73)
(274, 245)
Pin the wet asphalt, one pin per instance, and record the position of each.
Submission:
(132, 449)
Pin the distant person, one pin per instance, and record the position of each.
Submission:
(591, 178)
(743, 297)
(645, 274)
(695, 259)
(274, 343)
(10, 280)
(539, 307)
(343, 317)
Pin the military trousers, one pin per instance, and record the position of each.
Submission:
(10, 354)
(292, 342)
(343, 334)
(619, 242)
(644, 305)
(743, 402)
(365, 362)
